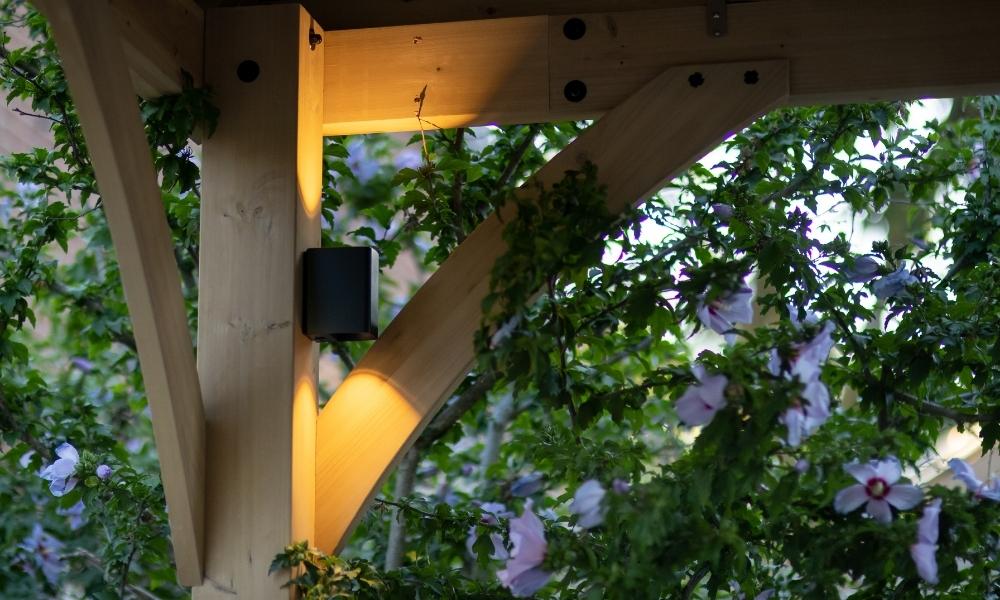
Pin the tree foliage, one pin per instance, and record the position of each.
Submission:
(595, 326)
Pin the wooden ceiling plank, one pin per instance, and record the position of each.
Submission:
(427, 350)
(488, 71)
(96, 69)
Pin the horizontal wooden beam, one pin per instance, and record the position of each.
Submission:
(517, 70)
(428, 348)
(86, 35)
(386, 13)
(162, 41)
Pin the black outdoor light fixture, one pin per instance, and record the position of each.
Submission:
(340, 294)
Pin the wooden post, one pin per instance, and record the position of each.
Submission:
(260, 209)
(98, 75)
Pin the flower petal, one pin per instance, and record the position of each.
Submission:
(925, 561)
(964, 472)
(927, 527)
(879, 510)
(850, 498)
(862, 473)
(889, 469)
(904, 497)
(67, 451)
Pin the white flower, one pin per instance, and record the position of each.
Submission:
(923, 551)
(877, 486)
(524, 575)
(587, 504)
(60, 473)
(700, 402)
(722, 314)
(963, 472)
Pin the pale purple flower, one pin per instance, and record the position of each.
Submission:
(723, 313)
(700, 402)
(924, 549)
(524, 575)
(620, 486)
(878, 488)
(963, 472)
(587, 504)
(893, 283)
(83, 364)
(864, 269)
(492, 513)
(75, 514)
(360, 161)
(103, 472)
(724, 212)
(812, 408)
(43, 551)
(25, 459)
(527, 485)
(808, 413)
(408, 158)
(60, 473)
(801, 466)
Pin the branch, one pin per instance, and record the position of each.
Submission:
(454, 411)
(939, 410)
(405, 478)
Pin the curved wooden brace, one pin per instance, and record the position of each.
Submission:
(425, 352)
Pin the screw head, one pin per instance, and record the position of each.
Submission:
(575, 91)
(696, 79)
(248, 71)
(574, 28)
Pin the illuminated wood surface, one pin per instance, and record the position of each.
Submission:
(260, 210)
(515, 70)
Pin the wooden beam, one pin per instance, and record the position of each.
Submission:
(96, 70)
(162, 40)
(478, 72)
(386, 13)
(426, 351)
(262, 174)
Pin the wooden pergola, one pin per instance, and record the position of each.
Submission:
(247, 463)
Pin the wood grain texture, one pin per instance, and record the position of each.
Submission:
(162, 39)
(334, 14)
(426, 351)
(262, 179)
(479, 72)
(95, 65)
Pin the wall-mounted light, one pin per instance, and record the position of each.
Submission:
(340, 294)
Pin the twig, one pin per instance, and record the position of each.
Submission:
(515, 157)
(454, 410)
(693, 582)
(456, 186)
(344, 355)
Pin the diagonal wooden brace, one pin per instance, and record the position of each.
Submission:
(95, 64)
(426, 351)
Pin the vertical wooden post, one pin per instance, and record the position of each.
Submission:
(260, 209)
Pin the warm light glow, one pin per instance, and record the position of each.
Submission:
(358, 436)
(304, 458)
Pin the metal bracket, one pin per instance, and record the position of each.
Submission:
(718, 18)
